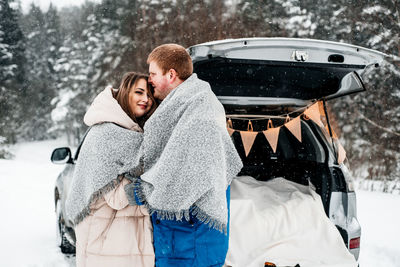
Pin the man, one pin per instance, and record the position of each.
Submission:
(189, 161)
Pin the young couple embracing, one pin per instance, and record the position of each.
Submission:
(152, 183)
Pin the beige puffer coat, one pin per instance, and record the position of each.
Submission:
(115, 233)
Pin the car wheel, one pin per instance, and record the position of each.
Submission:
(65, 246)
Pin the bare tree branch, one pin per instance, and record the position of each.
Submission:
(376, 125)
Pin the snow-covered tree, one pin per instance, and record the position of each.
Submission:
(87, 64)
(42, 32)
(258, 18)
(371, 120)
(4, 151)
(300, 21)
(7, 69)
(12, 72)
(91, 46)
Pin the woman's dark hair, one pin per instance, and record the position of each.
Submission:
(128, 81)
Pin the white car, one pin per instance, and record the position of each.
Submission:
(264, 79)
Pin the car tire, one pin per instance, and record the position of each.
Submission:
(62, 241)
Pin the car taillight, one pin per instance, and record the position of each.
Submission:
(355, 243)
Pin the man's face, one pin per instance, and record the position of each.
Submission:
(159, 81)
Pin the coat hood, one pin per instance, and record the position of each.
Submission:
(105, 108)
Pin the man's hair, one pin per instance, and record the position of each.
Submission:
(172, 56)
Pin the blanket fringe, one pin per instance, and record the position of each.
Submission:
(179, 215)
(96, 196)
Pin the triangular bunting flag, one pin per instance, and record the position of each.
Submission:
(294, 126)
(272, 135)
(313, 113)
(341, 153)
(230, 131)
(248, 140)
(321, 108)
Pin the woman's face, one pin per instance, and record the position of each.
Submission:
(139, 100)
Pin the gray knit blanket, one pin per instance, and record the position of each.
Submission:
(188, 157)
(107, 151)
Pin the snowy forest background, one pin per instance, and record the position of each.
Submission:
(53, 62)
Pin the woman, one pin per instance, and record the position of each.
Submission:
(110, 232)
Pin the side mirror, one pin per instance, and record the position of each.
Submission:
(61, 155)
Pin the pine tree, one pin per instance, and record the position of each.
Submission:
(12, 72)
(370, 120)
(73, 72)
(6, 73)
(88, 62)
(379, 108)
(54, 39)
(42, 33)
(198, 21)
(259, 18)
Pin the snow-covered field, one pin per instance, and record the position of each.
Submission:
(27, 224)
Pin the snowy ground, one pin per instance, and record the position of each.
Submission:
(27, 227)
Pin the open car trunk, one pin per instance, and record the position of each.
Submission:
(300, 162)
(269, 77)
(281, 71)
(281, 201)
(261, 80)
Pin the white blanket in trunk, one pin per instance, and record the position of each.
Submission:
(281, 222)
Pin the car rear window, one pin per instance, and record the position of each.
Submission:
(260, 78)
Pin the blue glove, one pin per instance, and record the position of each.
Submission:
(131, 190)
